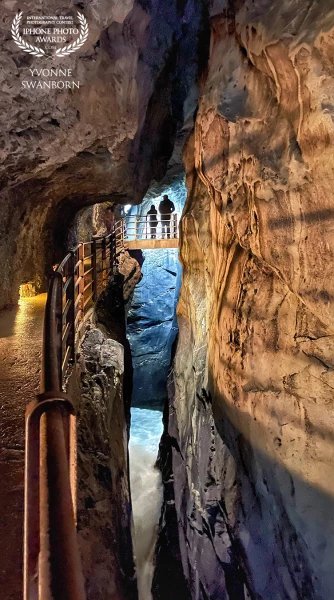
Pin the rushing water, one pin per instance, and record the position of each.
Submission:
(146, 492)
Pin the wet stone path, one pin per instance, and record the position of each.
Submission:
(20, 359)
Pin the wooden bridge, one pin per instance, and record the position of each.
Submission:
(139, 232)
(50, 465)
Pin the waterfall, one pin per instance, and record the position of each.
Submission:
(146, 492)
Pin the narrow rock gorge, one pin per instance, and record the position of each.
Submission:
(228, 107)
(151, 319)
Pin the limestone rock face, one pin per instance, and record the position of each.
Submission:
(252, 410)
(62, 150)
(104, 509)
(101, 386)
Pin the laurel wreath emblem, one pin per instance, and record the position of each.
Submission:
(36, 51)
(66, 50)
(19, 41)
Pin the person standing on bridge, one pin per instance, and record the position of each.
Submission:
(153, 221)
(166, 208)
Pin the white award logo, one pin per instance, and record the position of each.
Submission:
(36, 27)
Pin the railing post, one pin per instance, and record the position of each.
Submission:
(53, 332)
(113, 252)
(51, 377)
(103, 253)
(52, 566)
(94, 271)
(175, 226)
(108, 251)
(70, 291)
(81, 275)
(58, 526)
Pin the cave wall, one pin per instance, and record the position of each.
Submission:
(61, 150)
(151, 320)
(173, 184)
(104, 507)
(100, 386)
(152, 327)
(251, 405)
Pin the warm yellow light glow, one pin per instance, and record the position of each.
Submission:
(27, 290)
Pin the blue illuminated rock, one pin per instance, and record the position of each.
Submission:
(152, 327)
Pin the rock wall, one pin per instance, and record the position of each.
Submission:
(151, 321)
(63, 150)
(251, 409)
(173, 184)
(169, 576)
(152, 327)
(104, 507)
(101, 386)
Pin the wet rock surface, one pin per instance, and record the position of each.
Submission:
(169, 574)
(104, 509)
(20, 363)
(151, 321)
(64, 150)
(251, 413)
(102, 386)
(151, 326)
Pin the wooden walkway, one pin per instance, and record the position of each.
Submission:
(139, 233)
(153, 244)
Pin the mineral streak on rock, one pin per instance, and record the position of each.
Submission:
(252, 409)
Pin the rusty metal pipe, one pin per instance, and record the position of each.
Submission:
(57, 520)
(42, 489)
(52, 568)
(51, 377)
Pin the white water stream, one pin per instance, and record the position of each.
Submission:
(146, 492)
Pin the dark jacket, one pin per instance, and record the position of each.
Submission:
(166, 207)
(153, 216)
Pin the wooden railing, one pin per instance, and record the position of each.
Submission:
(142, 227)
(85, 272)
(52, 567)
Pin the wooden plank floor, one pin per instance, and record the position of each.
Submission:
(153, 244)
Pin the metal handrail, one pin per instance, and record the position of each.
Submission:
(52, 566)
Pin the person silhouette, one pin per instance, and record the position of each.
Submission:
(152, 215)
(166, 208)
